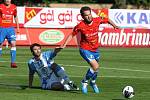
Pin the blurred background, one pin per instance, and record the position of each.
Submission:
(113, 4)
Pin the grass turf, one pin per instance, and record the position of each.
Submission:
(119, 67)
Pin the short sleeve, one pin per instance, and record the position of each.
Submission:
(15, 11)
(0, 8)
(49, 54)
(75, 30)
(31, 68)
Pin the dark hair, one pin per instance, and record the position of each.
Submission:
(84, 8)
(33, 45)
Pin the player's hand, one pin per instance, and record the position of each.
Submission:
(57, 49)
(116, 27)
(18, 31)
(62, 46)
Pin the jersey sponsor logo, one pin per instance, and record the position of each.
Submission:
(6, 21)
(92, 34)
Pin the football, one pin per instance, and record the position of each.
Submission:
(128, 92)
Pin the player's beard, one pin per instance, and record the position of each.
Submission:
(7, 3)
(88, 21)
(37, 55)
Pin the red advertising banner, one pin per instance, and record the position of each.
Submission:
(124, 38)
(43, 36)
(107, 37)
(101, 12)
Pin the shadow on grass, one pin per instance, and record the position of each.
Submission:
(118, 99)
(74, 91)
(3, 66)
(21, 87)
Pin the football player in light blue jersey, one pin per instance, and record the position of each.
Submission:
(52, 76)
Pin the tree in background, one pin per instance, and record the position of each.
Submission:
(145, 4)
(119, 4)
(46, 3)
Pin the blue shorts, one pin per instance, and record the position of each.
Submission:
(7, 33)
(89, 55)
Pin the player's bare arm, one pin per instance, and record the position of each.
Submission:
(31, 76)
(67, 40)
(30, 80)
(17, 24)
(57, 50)
(112, 23)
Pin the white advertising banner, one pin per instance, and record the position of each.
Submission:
(54, 18)
(130, 18)
(21, 14)
(34, 17)
(68, 17)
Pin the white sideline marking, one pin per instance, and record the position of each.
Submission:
(110, 68)
(100, 67)
(134, 77)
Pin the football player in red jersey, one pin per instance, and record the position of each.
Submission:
(88, 28)
(8, 11)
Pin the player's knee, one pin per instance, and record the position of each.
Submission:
(13, 48)
(12, 44)
(95, 69)
(57, 86)
(53, 66)
(63, 68)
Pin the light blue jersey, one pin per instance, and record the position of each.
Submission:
(42, 66)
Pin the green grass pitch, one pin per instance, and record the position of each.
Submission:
(118, 67)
